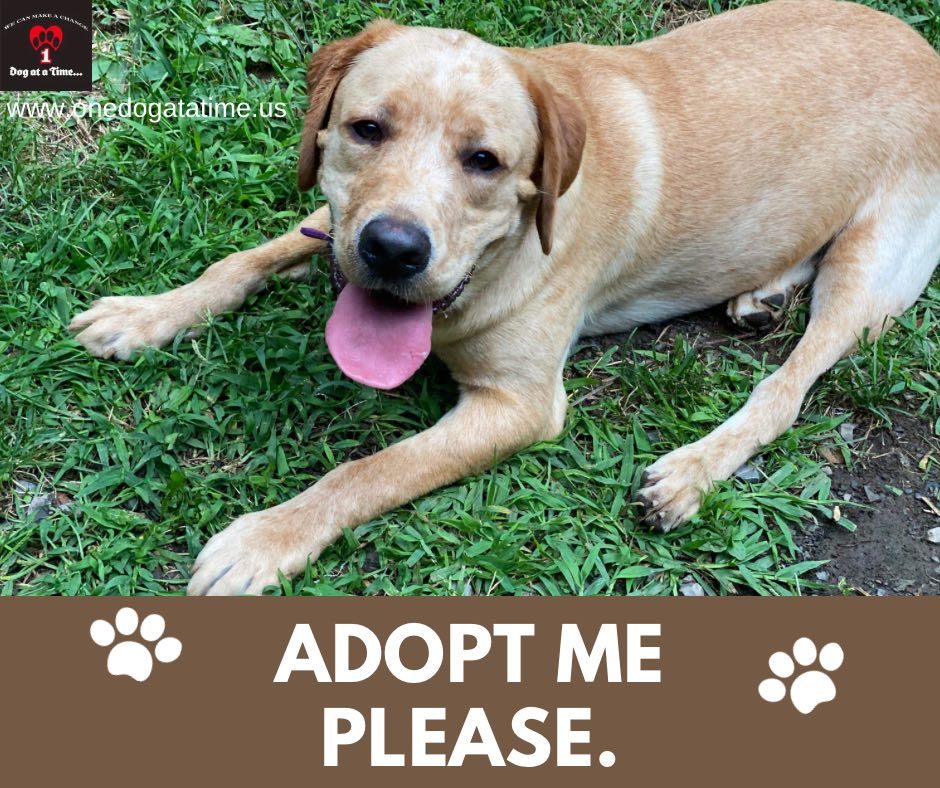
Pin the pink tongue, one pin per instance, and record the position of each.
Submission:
(375, 342)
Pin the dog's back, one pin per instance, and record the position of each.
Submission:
(766, 131)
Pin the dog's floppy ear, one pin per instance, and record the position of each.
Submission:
(562, 131)
(328, 66)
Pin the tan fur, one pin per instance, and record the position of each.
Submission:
(327, 68)
(637, 183)
(561, 136)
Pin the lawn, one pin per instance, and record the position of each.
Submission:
(113, 475)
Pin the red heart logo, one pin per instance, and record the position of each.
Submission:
(40, 36)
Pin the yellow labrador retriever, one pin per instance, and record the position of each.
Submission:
(494, 204)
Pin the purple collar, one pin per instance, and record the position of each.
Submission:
(320, 236)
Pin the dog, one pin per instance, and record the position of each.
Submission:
(494, 204)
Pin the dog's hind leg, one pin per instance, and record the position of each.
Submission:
(875, 269)
(761, 308)
(117, 326)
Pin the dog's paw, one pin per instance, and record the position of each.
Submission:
(758, 310)
(246, 556)
(762, 308)
(117, 326)
(672, 489)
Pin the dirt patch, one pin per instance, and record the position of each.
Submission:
(889, 552)
(708, 329)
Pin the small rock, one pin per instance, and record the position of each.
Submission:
(847, 431)
(908, 490)
(933, 536)
(748, 473)
(871, 495)
(822, 577)
(40, 507)
(881, 592)
(371, 561)
(690, 588)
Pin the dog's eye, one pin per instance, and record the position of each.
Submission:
(368, 131)
(481, 161)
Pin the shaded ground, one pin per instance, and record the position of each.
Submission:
(889, 552)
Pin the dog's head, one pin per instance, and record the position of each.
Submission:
(430, 146)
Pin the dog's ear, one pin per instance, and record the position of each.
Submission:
(562, 131)
(328, 66)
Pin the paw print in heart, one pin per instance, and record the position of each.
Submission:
(40, 37)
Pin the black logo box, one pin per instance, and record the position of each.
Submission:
(53, 59)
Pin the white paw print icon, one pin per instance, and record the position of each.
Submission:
(811, 687)
(130, 657)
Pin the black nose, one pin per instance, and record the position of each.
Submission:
(394, 249)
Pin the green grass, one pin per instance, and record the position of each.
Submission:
(158, 454)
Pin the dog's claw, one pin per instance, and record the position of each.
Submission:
(651, 508)
(775, 301)
(758, 320)
(225, 570)
(672, 490)
(246, 557)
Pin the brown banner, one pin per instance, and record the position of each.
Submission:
(852, 691)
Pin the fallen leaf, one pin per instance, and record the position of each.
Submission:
(831, 456)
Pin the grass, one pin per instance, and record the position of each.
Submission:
(148, 459)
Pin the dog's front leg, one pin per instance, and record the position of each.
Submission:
(119, 325)
(486, 425)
